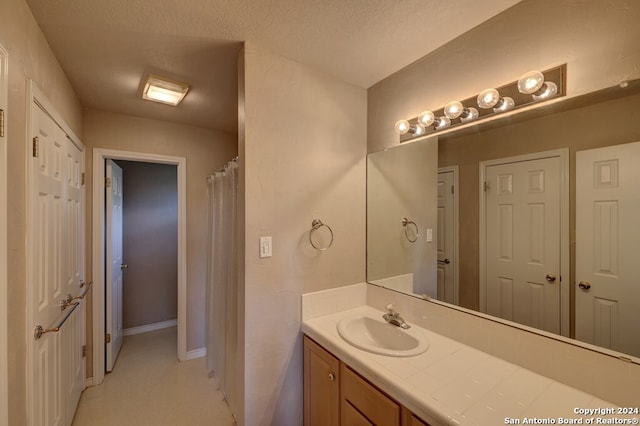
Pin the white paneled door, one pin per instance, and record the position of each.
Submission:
(115, 264)
(447, 286)
(522, 202)
(607, 291)
(56, 267)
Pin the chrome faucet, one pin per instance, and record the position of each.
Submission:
(393, 317)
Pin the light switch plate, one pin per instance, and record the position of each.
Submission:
(429, 235)
(265, 247)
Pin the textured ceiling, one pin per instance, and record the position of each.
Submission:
(105, 46)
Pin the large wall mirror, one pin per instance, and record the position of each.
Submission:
(533, 219)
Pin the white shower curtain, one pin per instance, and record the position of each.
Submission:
(222, 300)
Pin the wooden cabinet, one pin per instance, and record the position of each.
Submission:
(334, 394)
(378, 408)
(321, 386)
(410, 419)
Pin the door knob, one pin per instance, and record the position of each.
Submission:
(124, 266)
(584, 285)
(332, 377)
(446, 261)
(551, 278)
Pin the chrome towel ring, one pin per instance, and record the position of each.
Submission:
(405, 223)
(315, 225)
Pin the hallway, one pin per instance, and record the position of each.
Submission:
(150, 387)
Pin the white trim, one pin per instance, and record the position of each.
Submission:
(196, 353)
(456, 229)
(4, 346)
(89, 382)
(99, 157)
(149, 327)
(563, 155)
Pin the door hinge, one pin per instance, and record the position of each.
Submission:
(82, 179)
(107, 182)
(486, 186)
(84, 351)
(36, 147)
(1, 123)
(453, 190)
(107, 338)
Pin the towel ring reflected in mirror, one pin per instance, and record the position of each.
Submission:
(406, 225)
(316, 225)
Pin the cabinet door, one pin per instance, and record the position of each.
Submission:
(378, 408)
(321, 386)
(352, 417)
(410, 419)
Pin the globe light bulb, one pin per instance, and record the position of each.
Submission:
(402, 126)
(504, 104)
(426, 118)
(419, 129)
(470, 114)
(549, 90)
(530, 82)
(453, 109)
(443, 122)
(488, 98)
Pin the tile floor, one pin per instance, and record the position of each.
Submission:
(148, 386)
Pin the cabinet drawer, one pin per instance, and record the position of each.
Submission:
(366, 399)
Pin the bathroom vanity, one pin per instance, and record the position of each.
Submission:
(449, 383)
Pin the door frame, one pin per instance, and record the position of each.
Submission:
(35, 95)
(98, 261)
(456, 229)
(4, 348)
(565, 278)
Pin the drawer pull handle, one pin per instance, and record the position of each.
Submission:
(332, 377)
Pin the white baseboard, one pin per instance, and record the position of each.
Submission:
(89, 382)
(196, 353)
(149, 327)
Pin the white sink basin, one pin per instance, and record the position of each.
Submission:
(377, 336)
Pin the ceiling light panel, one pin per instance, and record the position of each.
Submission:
(164, 90)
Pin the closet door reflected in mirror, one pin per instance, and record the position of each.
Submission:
(607, 293)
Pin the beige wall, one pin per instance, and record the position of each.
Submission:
(205, 151)
(29, 57)
(303, 158)
(602, 124)
(597, 39)
(149, 243)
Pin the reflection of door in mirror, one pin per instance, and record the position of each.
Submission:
(607, 291)
(447, 234)
(521, 230)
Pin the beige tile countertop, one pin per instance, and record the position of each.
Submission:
(452, 383)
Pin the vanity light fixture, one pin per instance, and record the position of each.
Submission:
(164, 90)
(530, 88)
(533, 83)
